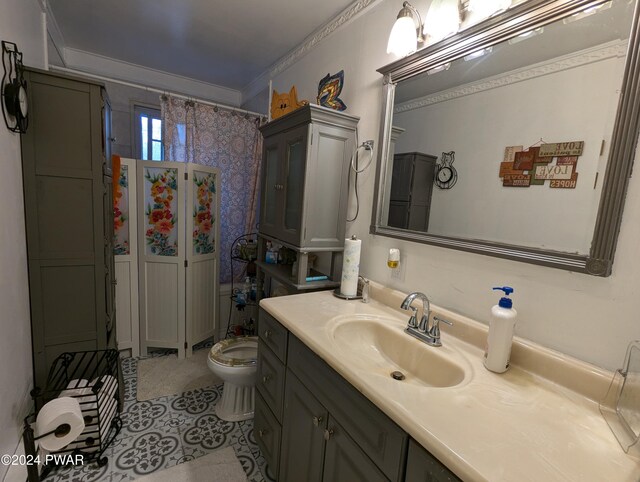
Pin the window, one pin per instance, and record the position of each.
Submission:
(148, 133)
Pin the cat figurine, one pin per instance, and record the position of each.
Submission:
(282, 104)
(329, 88)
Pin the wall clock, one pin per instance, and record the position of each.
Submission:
(15, 105)
(446, 175)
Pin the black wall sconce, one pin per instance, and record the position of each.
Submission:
(14, 89)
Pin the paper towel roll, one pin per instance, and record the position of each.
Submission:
(350, 267)
(65, 417)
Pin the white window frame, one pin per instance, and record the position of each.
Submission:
(152, 112)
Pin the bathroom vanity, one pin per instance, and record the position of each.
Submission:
(325, 428)
(328, 409)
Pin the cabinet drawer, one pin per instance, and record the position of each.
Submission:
(271, 375)
(421, 466)
(273, 334)
(267, 432)
(378, 436)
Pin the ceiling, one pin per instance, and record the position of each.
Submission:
(227, 43)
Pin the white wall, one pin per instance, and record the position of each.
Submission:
(588, 317)
(479, 126)
(122, 98)
(20, 22)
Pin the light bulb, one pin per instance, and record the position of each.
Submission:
(443, 19)
(403, 39)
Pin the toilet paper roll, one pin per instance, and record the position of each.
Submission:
(350, 267)
(63, 417)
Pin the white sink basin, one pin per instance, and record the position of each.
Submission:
(379, 344)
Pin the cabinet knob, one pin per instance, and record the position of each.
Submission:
(317, 421)
(268, 333)
(262, 432)
(266, 378)
(328, 434)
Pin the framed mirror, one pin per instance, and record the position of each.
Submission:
(515, 137)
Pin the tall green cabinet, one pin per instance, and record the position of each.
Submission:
(67, 180)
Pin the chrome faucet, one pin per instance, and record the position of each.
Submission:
(425, 331)
(364, 288)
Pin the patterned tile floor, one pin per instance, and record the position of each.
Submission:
(167, 431)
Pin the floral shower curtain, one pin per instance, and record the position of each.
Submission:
(226, 139)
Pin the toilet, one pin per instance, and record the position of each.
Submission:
(235, 362)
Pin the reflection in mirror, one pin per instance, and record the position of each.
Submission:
(500, 109)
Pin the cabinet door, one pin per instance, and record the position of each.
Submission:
(267, 433)
(64, 213)
(401, 177)
(344, 460)
(424, 467)
(292, 178)
(269, 206)
(303, 429)
(421, 190)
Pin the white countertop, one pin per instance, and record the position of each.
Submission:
(513, 427)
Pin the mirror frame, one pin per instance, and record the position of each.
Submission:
(515, 21)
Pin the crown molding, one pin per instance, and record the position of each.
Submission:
(558, 64)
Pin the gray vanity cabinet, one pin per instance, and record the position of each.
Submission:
(69, 218)
(303, 443)
(315, 447)
(424, 467)
(304, 189)
(344, 461)
(272, 356)
(314, 426)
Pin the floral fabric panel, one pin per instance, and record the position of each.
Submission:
(204, 208)
(121, 214)
(160, 220)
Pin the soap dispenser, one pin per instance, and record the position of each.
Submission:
(503, 320)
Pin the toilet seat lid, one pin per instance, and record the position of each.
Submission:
(241, 351)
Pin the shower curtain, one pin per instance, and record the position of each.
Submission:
(230, 140)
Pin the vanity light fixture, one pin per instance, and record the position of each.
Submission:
(586, 12)
(443, 19)
(405, 37)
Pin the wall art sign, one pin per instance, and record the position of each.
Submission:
(534, 166)
(550, 171)
(567, 160)
(557, 149)
(565, 183)
(506, 168)
(517, 180)
(524, 160)
(510, 153)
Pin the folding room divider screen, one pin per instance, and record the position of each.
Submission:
(169, 244)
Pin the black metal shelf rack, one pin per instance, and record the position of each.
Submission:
(92, 378)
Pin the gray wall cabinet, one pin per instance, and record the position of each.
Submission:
(69, 217)
(320, 428)
(305, 192)
(306, 156)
